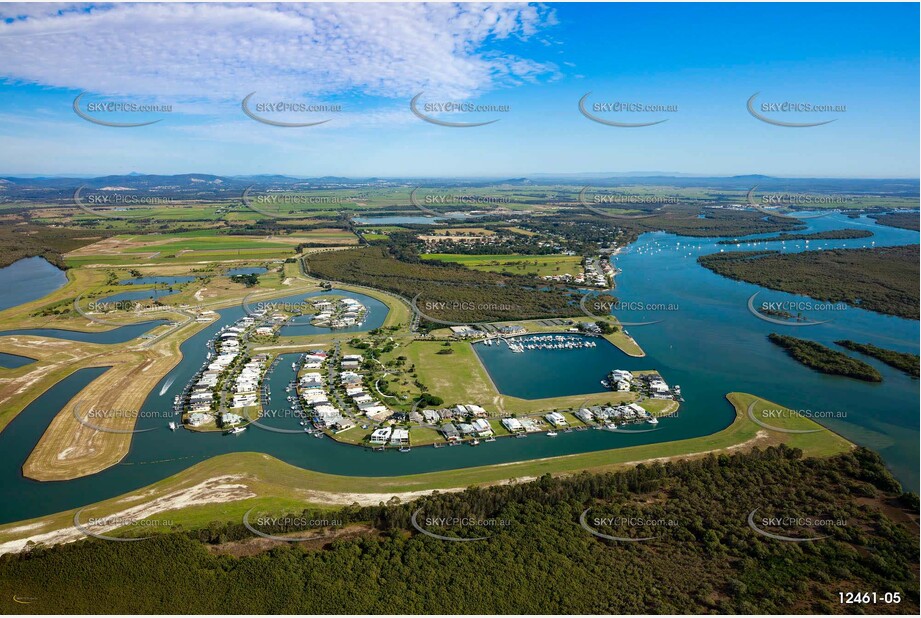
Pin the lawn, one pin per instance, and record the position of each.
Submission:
(537, 265)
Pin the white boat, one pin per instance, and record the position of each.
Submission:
(490, 440)
(652, 420)
(475, 443)
(172, 426)
(237, 430)
(552, 434)
(404, 449)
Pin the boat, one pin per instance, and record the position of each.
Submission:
(436, 445)
(172, 426)
(552, 434)
(492, 439)
(235, 430)
(404, 449)
(475, 443)
(521, 435)
(652, 420)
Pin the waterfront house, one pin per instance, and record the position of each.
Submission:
(377, 413)
(197, 419)
(228, 419)
(475, 410)
(466, 429)
(450, 432)
(585, 415)
(399, 437)
(482, 427)
(512, 424)
(556, 419)
(343, 424)
(380, 436)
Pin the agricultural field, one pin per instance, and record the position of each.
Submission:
(533, 265)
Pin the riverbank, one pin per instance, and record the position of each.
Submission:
(223, 488)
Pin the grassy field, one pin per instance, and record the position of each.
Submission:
(537, 265)
(270, 485)
(461, 378)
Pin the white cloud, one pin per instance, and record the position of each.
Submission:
(225, 51)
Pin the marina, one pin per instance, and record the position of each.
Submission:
(737, 357)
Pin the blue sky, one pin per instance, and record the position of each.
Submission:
(538, 60)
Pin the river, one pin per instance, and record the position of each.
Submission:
(708, 342)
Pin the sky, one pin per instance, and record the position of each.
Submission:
(698, 65)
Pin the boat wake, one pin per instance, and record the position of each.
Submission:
(167, 385)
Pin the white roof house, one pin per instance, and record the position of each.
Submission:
(482, 427)
(512, 424)
(380, 436)
(475, 409)
(556, 419)
(399, 436)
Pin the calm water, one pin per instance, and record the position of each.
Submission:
(706, 340)
(119, 334)
(12, 361)
(254, 270)
(27, 280)
(710, 345)
(156, 280)
(139, 295)
(376, 314)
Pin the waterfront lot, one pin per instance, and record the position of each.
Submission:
(263, 482)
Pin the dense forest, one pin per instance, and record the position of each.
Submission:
(902, 361)
(882, 279)
(785, 236)
(445, 291)
(29, 240)
(703, 557)
(700, 221)
(904, 220)
(821, 358)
